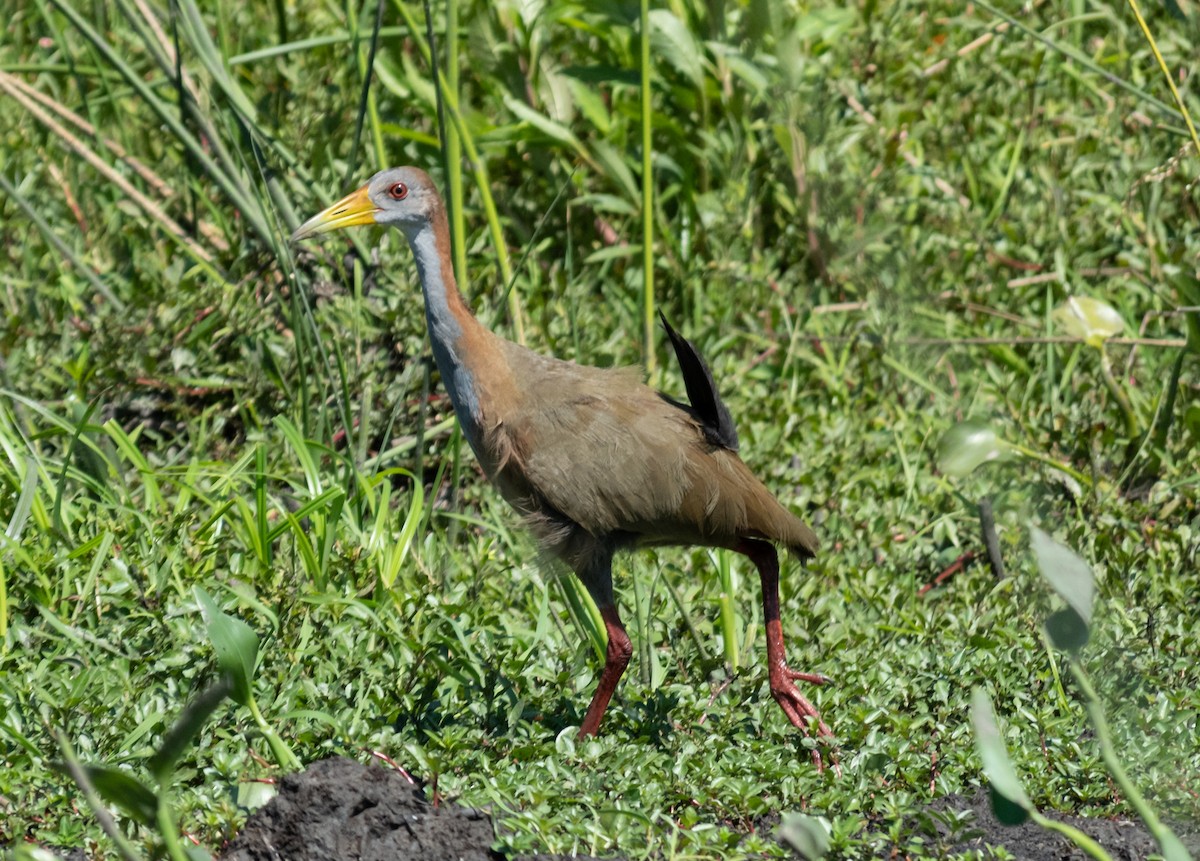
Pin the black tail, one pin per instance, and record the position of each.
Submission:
(702, 391)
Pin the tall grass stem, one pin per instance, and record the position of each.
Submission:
(453, 144)
(647, 199)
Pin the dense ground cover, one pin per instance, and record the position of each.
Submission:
(865, 217)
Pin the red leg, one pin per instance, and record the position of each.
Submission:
(783, 679)
(615, 661)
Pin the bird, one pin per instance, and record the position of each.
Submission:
(595, 461)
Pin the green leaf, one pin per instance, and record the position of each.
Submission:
(1090, 319)
(591, 104)
(125, 791)
(235, 643)
(253, 794)
(967, 445)
(187, 727)
(1067, 630)
(556, 131)
(1005, 811)
(996, 765)
(564, 742)
(671, 40)
(808, 835)
(1066, 572)
(397, 550)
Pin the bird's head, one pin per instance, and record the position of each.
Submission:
(402, 196)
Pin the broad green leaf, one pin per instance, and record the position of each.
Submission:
(1006, 812)
(235, 643)
(1090, 319)
(125, 791)
(253, 794)
(564, 742)
(996, 765)
(808, 835)
(967, 445)
(1066, 572)
(1067, 630)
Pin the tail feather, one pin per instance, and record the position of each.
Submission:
(702, 390)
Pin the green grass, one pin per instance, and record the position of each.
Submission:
(843, 197)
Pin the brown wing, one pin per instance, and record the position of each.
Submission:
(613, 456)
(602, 453)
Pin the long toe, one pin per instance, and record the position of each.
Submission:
(811, 678)
(798, 708)
(800, 711)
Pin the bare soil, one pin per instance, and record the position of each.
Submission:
(340, 809)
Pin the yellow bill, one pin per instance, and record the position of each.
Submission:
(353, 209)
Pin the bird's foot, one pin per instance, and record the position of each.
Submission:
(799, 710)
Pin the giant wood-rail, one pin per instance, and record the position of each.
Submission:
(595, 461)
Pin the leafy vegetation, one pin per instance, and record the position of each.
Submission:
(1068, 631)
(865, 216)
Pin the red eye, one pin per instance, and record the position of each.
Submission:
(398, 191)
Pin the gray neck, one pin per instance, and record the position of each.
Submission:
(445, 327)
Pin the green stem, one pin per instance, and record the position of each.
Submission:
(167, 828)
(1132, 426)
(641, 617)
(1165, 837)
(647, 201)
(1063, 702)
(1050, 462)
(729, 636)
(454, 182)
(1087, 844)
(368, 106)
(282, 753)
(685, 613)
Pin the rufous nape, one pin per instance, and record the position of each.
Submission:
(595, 461)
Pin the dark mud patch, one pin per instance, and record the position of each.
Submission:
(958, 823)
(340, 809)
